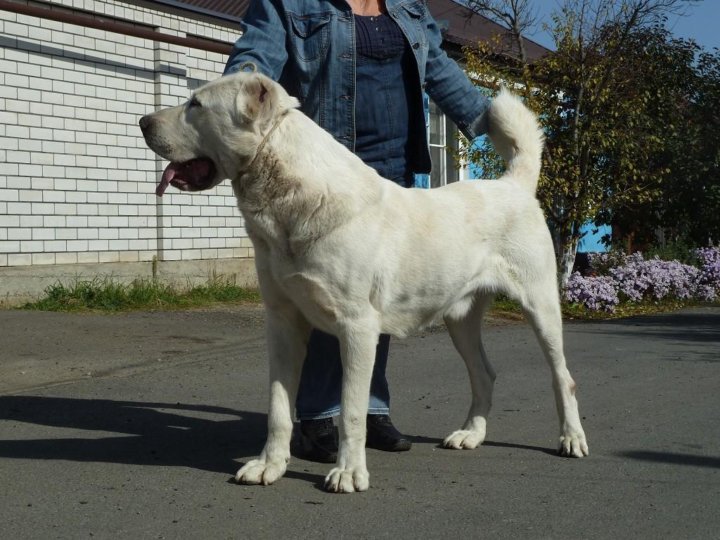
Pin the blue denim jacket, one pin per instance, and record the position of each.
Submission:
(308, 46)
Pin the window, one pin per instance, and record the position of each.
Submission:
(443, 141)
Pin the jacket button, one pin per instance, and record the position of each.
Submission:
(416, 45)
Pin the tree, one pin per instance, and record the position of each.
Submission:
(688, 211)
(592, 98)
(665, 132)
(517, 16)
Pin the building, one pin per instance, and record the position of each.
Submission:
(76, 179)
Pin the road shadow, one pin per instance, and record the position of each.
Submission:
(137, 433)
(673, 458)
(497, 444)
(693, 326)
(215, 439)
(542, 450)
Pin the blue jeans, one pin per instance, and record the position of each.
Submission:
(321, 381)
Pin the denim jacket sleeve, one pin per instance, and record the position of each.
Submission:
(262, 41)
(450, 88)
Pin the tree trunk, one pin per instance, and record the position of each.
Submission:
(566, 258)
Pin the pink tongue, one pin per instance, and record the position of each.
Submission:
(168, 175)
(190, 175)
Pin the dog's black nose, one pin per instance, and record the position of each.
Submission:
(144, 123)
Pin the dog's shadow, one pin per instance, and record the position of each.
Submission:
(439, 444)
(137, 433)
(148, 433)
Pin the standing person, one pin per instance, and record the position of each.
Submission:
(358, 68)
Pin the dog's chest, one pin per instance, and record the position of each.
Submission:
(316, 300)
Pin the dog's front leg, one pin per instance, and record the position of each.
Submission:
(357, 349)
(287, 335)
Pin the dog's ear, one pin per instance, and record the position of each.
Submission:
(257, 98)
(260, 99)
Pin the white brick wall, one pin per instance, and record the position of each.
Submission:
(76, 179)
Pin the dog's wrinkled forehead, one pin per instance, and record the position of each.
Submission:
(231, 83)
(248, 97)
(221, 91)
(237, 91)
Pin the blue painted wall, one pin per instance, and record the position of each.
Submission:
(592, 241)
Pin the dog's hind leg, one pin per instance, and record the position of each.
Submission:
(466, 336)
(542, 308)
(287, 336)
(357, 349)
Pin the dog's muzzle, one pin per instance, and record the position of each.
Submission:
(192, 175)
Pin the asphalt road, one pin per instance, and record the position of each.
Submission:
(131, 426)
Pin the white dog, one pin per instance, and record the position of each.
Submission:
(341, 249)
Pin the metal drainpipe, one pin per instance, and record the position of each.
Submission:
(101, 22)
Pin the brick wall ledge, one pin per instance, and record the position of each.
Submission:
(19, 284)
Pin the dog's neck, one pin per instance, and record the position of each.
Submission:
(263, 181)
(270, 195)
(267, 136)
(298, 173)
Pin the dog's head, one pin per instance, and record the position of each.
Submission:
(217, 132)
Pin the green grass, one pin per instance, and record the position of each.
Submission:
(505, 308)
(107, 294)
(627, 309)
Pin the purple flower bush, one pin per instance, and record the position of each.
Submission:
(709, 279)
(596, 293)
(638, 279)
(633, 279)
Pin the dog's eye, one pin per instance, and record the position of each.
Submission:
(194, 102)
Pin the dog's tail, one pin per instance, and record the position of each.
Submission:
(517, 137)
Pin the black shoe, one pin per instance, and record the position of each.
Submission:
(319, 440)
(382, 435)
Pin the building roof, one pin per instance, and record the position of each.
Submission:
(463, 28)
(460, 26)
(228, 10)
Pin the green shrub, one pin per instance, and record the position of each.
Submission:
(106, 294)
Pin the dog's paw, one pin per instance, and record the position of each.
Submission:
(573, 445)
(464, 439)
(341, 480)
(258, 471)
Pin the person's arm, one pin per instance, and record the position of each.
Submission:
(450, 88)
(262, 42)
